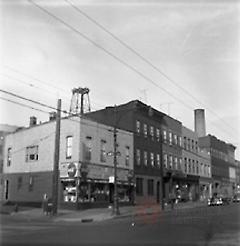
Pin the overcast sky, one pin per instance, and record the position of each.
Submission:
(194, 43)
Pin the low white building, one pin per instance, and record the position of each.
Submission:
(86, 167)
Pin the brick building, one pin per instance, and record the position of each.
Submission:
(148, 126)
(86, 168)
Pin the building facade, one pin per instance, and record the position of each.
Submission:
(85, 165)
(222, 157)
(4, 130)
(149, 126)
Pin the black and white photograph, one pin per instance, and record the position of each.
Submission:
(119, 122)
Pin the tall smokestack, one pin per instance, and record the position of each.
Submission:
(199, 122)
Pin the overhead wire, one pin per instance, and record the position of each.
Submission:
(112, 55)
(145, 60)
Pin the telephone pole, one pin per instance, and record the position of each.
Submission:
(56, 160)
(115, 200)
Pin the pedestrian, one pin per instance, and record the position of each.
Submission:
(45, 204)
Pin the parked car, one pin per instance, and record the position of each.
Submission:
(226, 200)
(215, 201)
(236, 198)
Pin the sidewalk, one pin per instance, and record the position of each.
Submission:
(99, 214)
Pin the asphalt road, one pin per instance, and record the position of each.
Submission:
(199, 226)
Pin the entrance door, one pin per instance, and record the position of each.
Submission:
(158, 191)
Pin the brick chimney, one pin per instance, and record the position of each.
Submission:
(52, 115)
(33, 121)
(199, 122)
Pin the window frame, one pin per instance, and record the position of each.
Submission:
(28, 156)
(69, 147)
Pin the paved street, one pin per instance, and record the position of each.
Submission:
(197, 226)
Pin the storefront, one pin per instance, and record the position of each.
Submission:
(90, 185)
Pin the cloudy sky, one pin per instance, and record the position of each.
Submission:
(192, 49)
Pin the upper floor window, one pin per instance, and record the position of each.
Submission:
(164, 136)
(152, 132)
(189, 166)
(158, 160)
(180, 163)
(127, 155)
(9, 156)
(165, 160)
(32, 153)
(138, 156)
(69, 140)
(88, 148)
(185, 143)
(152, 159)
(145, 158)
(185, 165)
(138, 126)
(197, 168)
(193, 147)
(175, 163)
(180, 141)
(170, 162)
(157, 134)
(196, 146)
(103, 151)
(193, 166)
(175, 139)
(170, 138)
(145, 130)
(188, 144)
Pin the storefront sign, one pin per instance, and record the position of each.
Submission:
(72, 170)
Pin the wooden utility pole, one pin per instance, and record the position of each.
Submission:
(161, 171)
(115, 201)
(56, 160)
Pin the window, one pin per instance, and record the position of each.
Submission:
(158, 160)
(185, 165)
(31, 183)
(103, 151)
(150, 187)
(202, 171)
(175, 163)
(209, 171)
(165, 160)
(193, 166)
(139, 186)
(197, 168)
(32, 153)
(193, 147)
(170, 162)
(205, 169)
(69, 147)
(88, 149)
(9, 156)
(19, 183)
(175, 139)
(145, 158)
(196, 146)
(152, 132)
(180, 163)
(138, 156)
(138, 127)
(170, 138)
(164, 136)
(152, 159)
(188, 144)
(189, 166)
(145, 130)
(127, 155)
(180, 141)
(185, 143)
(158, 134)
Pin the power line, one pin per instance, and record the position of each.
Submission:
(110, 54)
(27, 99)
(26, 83)
(23, 105)
(144, 59)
